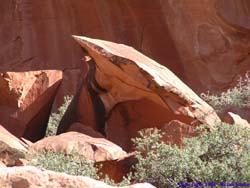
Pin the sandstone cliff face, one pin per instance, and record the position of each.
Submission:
(36, 34)
(212, 39)
(204, 42)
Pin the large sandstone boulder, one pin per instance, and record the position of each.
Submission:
(25, 101)
(96, 149)
(136, 92)
(110, 158)
(27, 177)
(12, 149)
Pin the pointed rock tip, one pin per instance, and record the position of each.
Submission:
(76, 37)
(82, 39)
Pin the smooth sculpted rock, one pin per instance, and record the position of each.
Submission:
(25, 101)
(109, 157)
(27, 177)
(137, 92)
(95, 149)
(232, 118)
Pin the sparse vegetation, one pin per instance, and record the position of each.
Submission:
(222, 155)
(55, 118)
(125, 182)
(72, 164)
(238, 96)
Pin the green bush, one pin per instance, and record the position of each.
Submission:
(125, 182)
(55, 118)
(238, 96)
(72, 164)
(220, 156)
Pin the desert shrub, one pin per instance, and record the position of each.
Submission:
(238, 96)
(125, 182)
(72, 164)
(222, 155)
(55, 118)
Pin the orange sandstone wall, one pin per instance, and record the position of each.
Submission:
(204, 42)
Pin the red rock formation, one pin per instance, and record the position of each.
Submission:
(117, 169)
(175, 131)
(68, 87)
(49, 25)
(205, 38)
(96, 149)
(235, 13)
(113, 161)
(25, 101)
(26, 177)
(137, 93)
(82, 109)
(205, 42)
(87, 130)
(232, 118)
(11, 148)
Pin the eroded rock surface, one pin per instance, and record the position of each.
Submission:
(109, 157)
(12, 149)
(96, 149)
(232, 118)
(25, 101)
(137, 92)
(212, 40)
(26, 177)
(87, 130)
(176, 130)
(235, 13)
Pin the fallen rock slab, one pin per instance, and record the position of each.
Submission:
(136, 92)
(27, 177)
